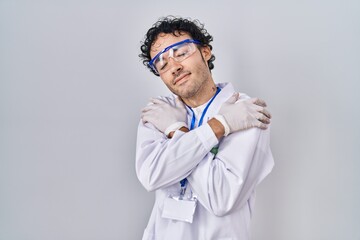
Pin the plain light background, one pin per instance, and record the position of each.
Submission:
(72, 87)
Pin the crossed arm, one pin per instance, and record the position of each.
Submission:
(222, 182)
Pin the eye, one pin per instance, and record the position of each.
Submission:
(163, 66)
(180, 52)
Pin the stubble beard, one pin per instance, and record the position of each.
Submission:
(196, 84)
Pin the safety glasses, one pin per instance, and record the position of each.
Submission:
(178, 51)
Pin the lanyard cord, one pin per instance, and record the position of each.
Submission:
(184, 181)
(204, 112)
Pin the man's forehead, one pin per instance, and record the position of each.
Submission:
(164, 40)
(159, 43)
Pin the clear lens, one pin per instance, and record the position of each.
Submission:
(178, 53)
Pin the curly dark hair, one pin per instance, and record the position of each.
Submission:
(175, 25)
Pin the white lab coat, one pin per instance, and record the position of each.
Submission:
(224, 185)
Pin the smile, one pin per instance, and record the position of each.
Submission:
(181, 77)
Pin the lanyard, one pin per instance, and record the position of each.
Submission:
(204, 112)
(183, 182)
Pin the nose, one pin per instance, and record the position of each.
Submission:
(176, 66)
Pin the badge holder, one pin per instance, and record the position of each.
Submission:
(180, 208)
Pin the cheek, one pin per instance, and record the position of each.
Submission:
(202, 58)
(202, 63)
(195, 63)
(166, 78)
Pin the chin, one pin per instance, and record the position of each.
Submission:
(187, 94)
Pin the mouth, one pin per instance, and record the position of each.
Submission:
(181, 77)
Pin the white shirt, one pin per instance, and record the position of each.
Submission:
(224, 185)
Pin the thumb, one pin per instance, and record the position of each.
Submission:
(233, 98)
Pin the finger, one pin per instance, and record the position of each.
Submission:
(233, 98)
(145, 109)
(258, 102)
(149, 108)
(263, 110)
(266, 113)
(262, 118)
(146, 117)
(262, 126)
(157, 101)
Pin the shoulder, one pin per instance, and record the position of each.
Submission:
(227, 90)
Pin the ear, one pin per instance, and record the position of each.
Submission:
(206, 52)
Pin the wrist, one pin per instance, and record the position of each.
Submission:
(173, 127)
(222, 120)
(217, 127)
(183, 129)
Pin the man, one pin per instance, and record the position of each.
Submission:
(205, 148)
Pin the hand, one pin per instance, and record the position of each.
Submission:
(163, 116)
(244, 114)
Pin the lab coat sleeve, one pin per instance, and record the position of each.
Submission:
(225, 183)
(161, 162)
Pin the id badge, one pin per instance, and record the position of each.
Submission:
(181, 210)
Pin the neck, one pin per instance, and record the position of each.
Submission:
(204, 94)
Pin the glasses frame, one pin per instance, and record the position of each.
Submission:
(151, 63)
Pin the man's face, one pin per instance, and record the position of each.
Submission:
(188, 77)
